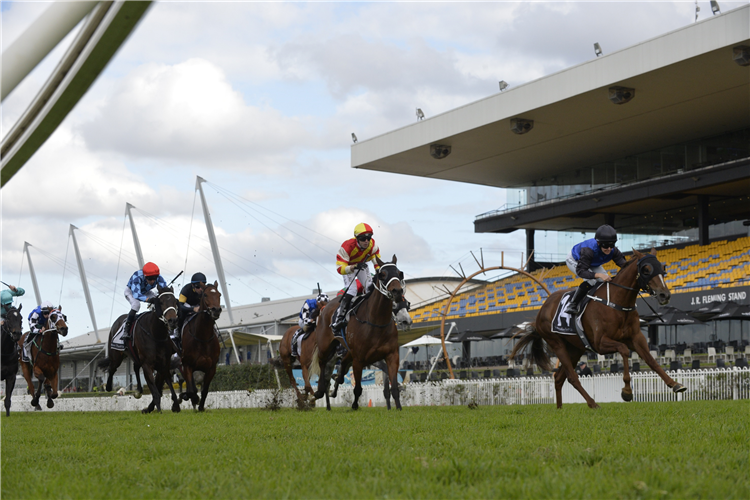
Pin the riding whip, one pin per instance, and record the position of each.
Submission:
(175, 278)
(4, 283)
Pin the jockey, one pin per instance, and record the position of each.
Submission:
(586, 259)
(190, 300)
(351, 263)
(308, 317)
(141, 287)
(37, 321)
(6, 298)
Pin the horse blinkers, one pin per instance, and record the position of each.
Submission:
(651, 270)
(394, 292)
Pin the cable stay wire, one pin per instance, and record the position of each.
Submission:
(117, 272)
(224, 250)
(297, 248)
(65, 264)
(97, 282)
(219, 188)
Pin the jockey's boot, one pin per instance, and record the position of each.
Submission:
(128, 323)
(176, 360)
(339, 323)
(572, 308)
(341, 350)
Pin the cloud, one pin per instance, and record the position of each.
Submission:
(189, 112)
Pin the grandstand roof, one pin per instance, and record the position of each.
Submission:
(687, 86)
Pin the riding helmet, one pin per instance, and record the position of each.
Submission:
(150, 269)
(47, 305)
(362, 228)
(198, 278)
(606, 234)
(322, 297)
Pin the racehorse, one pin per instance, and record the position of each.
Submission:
(403, 322)
(45, 358)
(200, 345)
(611, 324)
(371, 334)
(153, 347)
(305, 360)
(12, 330)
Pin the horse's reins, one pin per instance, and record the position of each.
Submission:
(206, 311)
(162, 317)
(38, 346)
(641, 286)
(384, 290)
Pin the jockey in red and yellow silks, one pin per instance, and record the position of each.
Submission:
(351, 263)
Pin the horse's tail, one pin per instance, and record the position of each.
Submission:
(104, 364)
(539, 349)
(315, 363)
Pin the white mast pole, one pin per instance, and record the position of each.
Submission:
(84, 282)
(136, 241)
(34, 284)
(217, 259)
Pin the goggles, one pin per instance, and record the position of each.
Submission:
(607, 244)
(364, 237)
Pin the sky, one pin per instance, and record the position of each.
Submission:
(260, 99)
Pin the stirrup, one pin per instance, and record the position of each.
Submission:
(175, 361)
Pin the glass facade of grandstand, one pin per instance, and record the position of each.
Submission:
(670, 160)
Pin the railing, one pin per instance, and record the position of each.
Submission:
(715, 384)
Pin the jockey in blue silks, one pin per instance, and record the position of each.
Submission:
(586, 259)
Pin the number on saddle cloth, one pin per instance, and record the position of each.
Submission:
(562, 322)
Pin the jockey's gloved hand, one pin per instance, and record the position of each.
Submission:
(361, 266)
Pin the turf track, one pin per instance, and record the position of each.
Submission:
(696, 449)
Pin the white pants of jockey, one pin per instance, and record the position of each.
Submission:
(135, 304)
(364, 277)
(301, 335)
(572, 264)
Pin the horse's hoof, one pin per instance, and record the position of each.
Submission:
(627, 396)
(184, 396)
(679, 388)
(35, 402)
(50, 403)
(37, 408)
(145, 411)
(138, 395)
(319, 394)
(54, 396)
(175, 408)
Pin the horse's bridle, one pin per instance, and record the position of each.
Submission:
(649, 267)
(383, 288)
(53, 329)
(164, 311)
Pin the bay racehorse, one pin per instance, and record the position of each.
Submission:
(305, 359)
(371, 334)
(45, 358)
(12, 330)
(403, 322)
(200, 345)
(611, 324)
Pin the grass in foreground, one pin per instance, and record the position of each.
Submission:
(639, 450)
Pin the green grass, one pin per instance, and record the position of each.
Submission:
(639, 450)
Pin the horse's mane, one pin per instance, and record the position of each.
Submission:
(630, 262)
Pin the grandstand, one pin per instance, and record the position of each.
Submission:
(669, 162)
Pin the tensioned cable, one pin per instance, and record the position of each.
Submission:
(225, 251)
(269, 210)
(190, 230)
(117, 272)
(277, 234)
(65, 264)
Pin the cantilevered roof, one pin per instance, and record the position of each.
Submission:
(686, 86)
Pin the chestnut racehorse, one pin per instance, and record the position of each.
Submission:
(200, 345)
(371, 334)
(12, 330)
(305, 360)
(45, 358)
(611, 324)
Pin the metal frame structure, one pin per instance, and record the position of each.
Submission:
(466, 280)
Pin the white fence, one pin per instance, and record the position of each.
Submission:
(730, 383)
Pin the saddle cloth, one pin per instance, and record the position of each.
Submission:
(562, 322)
(117, 343)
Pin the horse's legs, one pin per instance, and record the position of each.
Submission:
(207, 378)
(139, 387)
(560, 377)
(190, 390)
(392, 361)
(346, 363)
(606, 344)
(166, 376)
(566, 363)
(386, 390)
(38, 393)
(148, 374)
(305, 376)
(27, 375)
(641, 347)
(357, 368)
(10, 384)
